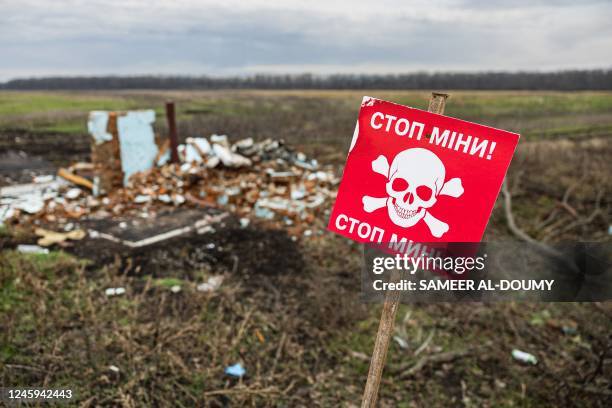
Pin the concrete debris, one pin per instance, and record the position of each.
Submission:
(201, 145)
(189, 154)
(137, 232)
(32, 249)
(265, 181)
(220, 140)
(73, 193)
(228, 158)
(29, 198)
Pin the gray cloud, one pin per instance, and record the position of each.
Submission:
(66, 37)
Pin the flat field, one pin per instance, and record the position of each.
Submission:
(290, 311)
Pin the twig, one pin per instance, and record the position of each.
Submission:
(229, 391)
(425, 343)
(407, 370)
(546, 249)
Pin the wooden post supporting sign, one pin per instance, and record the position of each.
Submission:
(389, 310)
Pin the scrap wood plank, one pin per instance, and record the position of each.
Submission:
(78, 180)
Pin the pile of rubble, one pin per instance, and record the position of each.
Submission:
(265, 181)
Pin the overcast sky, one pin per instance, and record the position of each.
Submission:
(70, 37)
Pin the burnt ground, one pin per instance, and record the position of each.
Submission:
(289, 311)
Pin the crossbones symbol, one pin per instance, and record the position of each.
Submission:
(415, 179)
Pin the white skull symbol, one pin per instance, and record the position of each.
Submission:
(416, 177)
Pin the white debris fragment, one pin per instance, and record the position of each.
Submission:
(97, 127)
(164, 198)
(524, 357)
(175, 289)
(244, 222)
(6, 212)
(185, 167)
(201, 145)
(44, 179)
(142, 198)
(220, 139)
(32, 249)
(298, 193)
(244, 143)
(178, 199)
(73, 193)
(113, 368)
(164, 158)
(114, 291)
(189, 154)
(213, 283)
(27, 197)
(213, 162)
(229, 158)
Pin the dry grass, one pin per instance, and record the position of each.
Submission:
(290, 312)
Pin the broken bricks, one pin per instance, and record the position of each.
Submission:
(264, 181)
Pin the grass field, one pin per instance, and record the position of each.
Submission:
(531, 114)
(290, 312)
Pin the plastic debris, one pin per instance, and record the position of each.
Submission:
(175, 288)
(524, 357)
(32, 249)
(114, 291)
(235, 370)
(113, 368)
(212, 284)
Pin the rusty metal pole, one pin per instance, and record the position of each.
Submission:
(171, 117)
(389, 311)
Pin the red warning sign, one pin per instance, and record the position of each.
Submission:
(419, 176)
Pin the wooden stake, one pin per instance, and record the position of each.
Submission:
(171, 117)
(389, 311)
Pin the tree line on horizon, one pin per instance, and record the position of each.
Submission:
(560, 80)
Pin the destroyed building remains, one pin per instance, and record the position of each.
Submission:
(131, 176)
